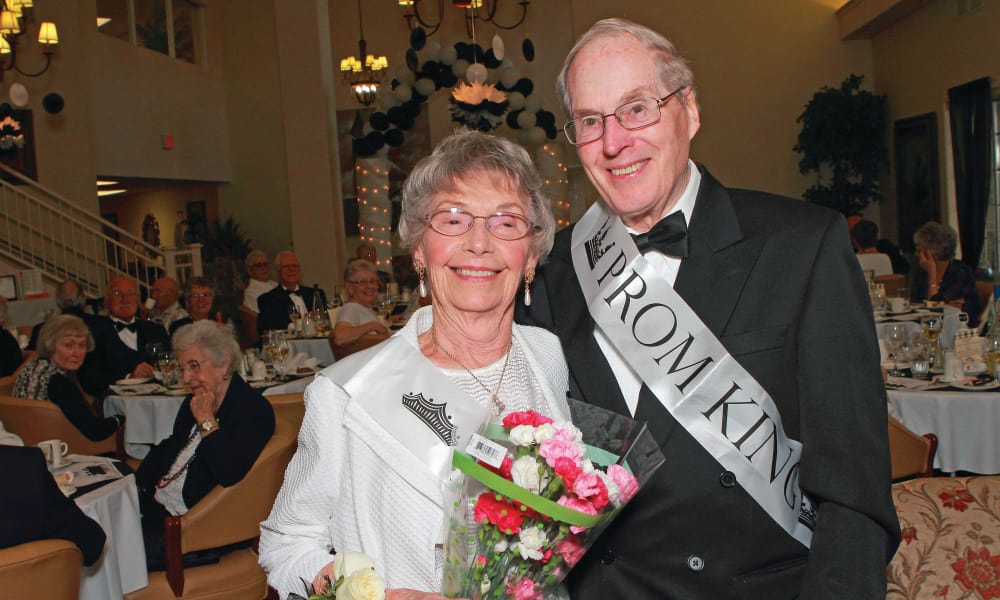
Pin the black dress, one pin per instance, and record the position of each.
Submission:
(11, 356)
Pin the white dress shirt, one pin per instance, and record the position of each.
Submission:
(253, 291)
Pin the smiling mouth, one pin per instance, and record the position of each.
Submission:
(476, 272)
(632, 168)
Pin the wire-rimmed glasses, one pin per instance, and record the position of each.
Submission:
(506, 226)
(635, 114)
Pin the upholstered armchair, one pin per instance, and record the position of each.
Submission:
(225, 516)
(911, 454)
(248, 326)
(47, 568)
(950, 547)
(290, 407)
(39, 420)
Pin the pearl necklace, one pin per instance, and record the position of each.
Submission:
(498, 406)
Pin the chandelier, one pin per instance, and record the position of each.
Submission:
(364, 73)
(15, 17)
(475, 10)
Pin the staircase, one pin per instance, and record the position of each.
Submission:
(42, 230)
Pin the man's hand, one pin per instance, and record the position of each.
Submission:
(143, 369)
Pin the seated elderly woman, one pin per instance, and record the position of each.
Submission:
(63, 343)
(356, 319)
(11, 356)
(220, 429)
(478, 226)
(199, 293)
(941, 277)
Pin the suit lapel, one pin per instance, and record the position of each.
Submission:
(711, 278)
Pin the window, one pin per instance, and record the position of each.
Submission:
(989, 261)
(170, 27)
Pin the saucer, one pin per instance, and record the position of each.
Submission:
(132, 380)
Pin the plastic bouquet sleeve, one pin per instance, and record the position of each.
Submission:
(535, 495)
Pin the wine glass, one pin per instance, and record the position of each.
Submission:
(295, 317)
(895, 336)
(276, 345)
(931, 327)
(168, 366)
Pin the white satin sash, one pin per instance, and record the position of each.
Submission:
(689, 370)
(417, 404)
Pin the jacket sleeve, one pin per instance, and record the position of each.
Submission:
(244, 429)
(64, 393)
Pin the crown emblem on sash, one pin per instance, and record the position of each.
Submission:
(595, 246)
(433, 415)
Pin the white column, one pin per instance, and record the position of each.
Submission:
(371, 176)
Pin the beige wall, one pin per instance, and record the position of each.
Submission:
(919, 58)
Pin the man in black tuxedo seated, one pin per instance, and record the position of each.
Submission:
(120, 340)
(275, 304)
(32, 508)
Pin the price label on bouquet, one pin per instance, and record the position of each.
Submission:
(486, 450)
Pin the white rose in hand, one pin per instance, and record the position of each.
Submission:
(347, 562)
(363, 584)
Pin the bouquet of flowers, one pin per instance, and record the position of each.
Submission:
(534, 497)
(354, 578)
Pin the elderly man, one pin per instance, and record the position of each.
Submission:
(259, 271)
(276, 304)
(120, 340)
(744, 340)
(69, 301)
(166, 293)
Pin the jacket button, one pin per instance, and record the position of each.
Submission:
(695, 563)
(608, 557)
(727, 479)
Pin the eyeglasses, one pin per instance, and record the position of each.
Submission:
(194, 366)
(120, 294)
(199, 296)
(631, 115)
(291, 266)
(257, 265)
(506, 226)
(364, 282)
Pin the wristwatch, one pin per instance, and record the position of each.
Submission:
(208, 426)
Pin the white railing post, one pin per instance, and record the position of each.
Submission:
(196, 260)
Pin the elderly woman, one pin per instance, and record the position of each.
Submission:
(11, 356)
(356, 318)
(478, 226)
(199, 294)
(220, 430)
(63, 343)
(941, 277)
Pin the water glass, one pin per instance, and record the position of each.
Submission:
(920, 368)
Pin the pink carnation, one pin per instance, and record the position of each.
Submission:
(591, 487)
(570, 549)
(523, 590)
(525, 417)
(627, 485)
(562, 445)
(578, 505)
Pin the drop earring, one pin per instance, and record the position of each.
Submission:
(529, 276)
(421, 271)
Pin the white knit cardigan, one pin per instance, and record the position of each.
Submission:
(351, 486)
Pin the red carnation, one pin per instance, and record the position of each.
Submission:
(503, 471)
(525, 417)
(497, 511)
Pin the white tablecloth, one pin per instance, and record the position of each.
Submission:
(149, 419)
(966, 424)
(318, 348)
(122, 567)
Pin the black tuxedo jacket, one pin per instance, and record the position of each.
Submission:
(776, 281)
(111, 359)
(275, 303)
(32, 507)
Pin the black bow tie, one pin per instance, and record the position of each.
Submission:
(290, 292)
(669, 236)
(130, 326)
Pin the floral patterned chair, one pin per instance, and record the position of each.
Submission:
(951, 539)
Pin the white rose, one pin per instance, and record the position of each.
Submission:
(522, 435)
(530, 542)
(363, 584)
(544, 432)
(346, 562)
(525, 473)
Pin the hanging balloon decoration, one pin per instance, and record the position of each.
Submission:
(493, 93)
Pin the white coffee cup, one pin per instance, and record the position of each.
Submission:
(55, 452)
(898, 305)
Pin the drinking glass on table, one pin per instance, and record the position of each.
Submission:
(276, 345)
(167, 364)
(931, 327)
(896, 337)
(154, 350)
(295, 317)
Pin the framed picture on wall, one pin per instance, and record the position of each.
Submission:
(8, 287)
(17, 145)
(917, 185)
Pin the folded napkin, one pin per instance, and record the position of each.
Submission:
(143, 389)
(300, 360)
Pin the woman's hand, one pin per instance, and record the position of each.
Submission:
(143, 369)
(377, 328)
(927, 262)
(319, 581)
(203, 404)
